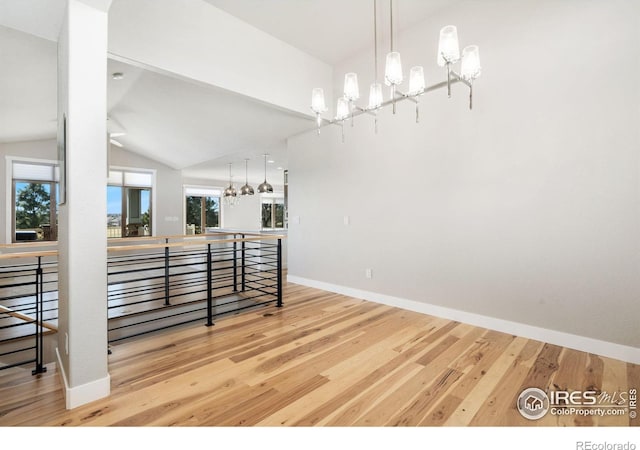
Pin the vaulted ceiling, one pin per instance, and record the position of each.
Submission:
(180, 122)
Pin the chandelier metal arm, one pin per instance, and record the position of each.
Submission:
(371, 112)
(457, 77)
(357, 111)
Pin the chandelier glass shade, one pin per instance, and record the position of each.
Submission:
(416, 80)
(470, 66)
(448, 47)
(393, 69)
(448, 55)
(342, 108)
(375, 96)
(351, 90)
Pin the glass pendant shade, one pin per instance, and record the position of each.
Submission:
(393, 69)
(416, 80)
(265, 188)
(318, 104)
(448, 47)
(470, 66)
(351, 89)
(375, 96)
(342, 109)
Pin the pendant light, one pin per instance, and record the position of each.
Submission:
(246, 189)
(230, 194)
(265, 188)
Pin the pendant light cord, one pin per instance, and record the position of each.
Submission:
(391, 15)
(375, 41)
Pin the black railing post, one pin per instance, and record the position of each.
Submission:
(235, 263)
(166, 274)
(279, 269)
(39, 322)
(244, 281)
(209, 287)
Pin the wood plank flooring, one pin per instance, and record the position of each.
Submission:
(323, 360)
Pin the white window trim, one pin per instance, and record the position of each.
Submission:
(273, 197)
(9, 160)
(153, 172)
(184, 203)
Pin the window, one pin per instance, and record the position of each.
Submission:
(35, 209)
(273, 213)
(129, 203)
(202, 209)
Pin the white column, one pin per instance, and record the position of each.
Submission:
(82, 102)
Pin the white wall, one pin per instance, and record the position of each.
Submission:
(243, 216)
(525, 209)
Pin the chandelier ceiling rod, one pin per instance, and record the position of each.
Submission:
(375, 42)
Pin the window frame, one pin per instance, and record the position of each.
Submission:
(10, 193)
(273, 200)
(214, 190)
(124, 186)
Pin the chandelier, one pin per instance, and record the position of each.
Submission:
(448, 55)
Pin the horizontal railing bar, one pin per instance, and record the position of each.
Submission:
(188, 241)
(24, 317)
(13, 352)
(28, 254)
(18, 364)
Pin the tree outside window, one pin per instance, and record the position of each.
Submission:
(202, 212)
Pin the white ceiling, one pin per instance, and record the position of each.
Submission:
(185, 125)
(330, 30)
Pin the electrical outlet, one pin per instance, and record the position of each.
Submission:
(368, 273)
(346, 220)
(66, 344)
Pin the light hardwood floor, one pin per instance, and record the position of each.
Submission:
(328, 360)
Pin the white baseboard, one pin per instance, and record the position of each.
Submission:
(575, 342)
(85, 393)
